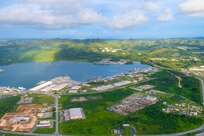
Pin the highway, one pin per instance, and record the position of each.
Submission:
(202, 86)
(186, 132)
(200, 134)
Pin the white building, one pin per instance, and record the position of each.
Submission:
(122, 83)
(151, 99)
(76, 87)
(72, 91)
(39, 87)
(44, 123)
(19, 119)
(60, 86)
(201, 68)
(76, 113)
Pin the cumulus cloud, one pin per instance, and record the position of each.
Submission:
(58, 6)
(152, 6)
(68, 13)
(193, 7)
(27, 15)
(49, 13)
(167, 15)
(128, 20)
(90, 16)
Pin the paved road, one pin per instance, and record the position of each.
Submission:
(200, 134)
(24, 133)
(57, 116)
(202, 86)
(202, 82)
(133, 131)
(178, 77)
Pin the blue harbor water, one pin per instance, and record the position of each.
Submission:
(29, 74)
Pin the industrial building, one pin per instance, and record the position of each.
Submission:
(111, 86)
(19, 119)
(55, 84)
(121, 83)
(74, 114)
(41, 86)
(45, 123)
(200, 68)
(73, 91)
(76, 88)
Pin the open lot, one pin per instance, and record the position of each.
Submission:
(42, 99)
(23, 120)
(24, 117)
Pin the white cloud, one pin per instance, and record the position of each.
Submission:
(61, 6)
(193, 7)
(27, 15)
(152, 6)
(128, 20)
(167, 15)
(49, 13)
(90, 16)
(67, 13)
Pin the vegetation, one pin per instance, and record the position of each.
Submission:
(100, 121)
(153, 121)
(172, 53)
(43, 99)
(8, 104)
(164, 81)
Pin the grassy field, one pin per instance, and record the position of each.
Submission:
(100, 121)
(164, 81)
(8, 104)
(41, 99)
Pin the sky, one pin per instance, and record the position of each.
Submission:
(105, 19)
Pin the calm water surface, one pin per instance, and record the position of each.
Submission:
(29, 74)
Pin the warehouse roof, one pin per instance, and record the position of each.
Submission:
(75, 112)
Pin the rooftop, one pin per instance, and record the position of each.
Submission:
(75, 112)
